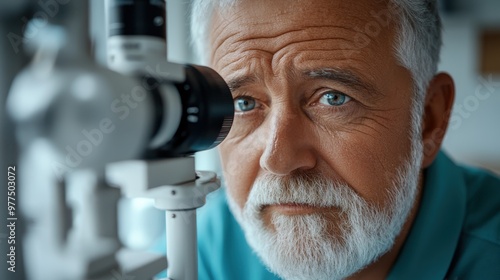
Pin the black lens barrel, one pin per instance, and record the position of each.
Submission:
(207, 115)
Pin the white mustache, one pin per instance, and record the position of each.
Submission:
(305, 188)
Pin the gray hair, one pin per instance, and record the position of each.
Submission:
(418, 41)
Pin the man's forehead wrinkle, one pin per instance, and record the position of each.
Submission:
(277, 47)
(283, 52)
(306, 29)
(224, 22)
(233, 63)
(235, 56)
(283, 38)
(220, 30)
(243, 73)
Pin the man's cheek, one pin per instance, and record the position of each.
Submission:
(243, 126)
(237, 191)
(239, 171)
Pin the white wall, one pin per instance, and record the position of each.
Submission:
(474, 133)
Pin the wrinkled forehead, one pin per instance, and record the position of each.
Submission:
(364, 27)
(301, 11)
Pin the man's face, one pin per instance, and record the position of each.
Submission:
(321, 106)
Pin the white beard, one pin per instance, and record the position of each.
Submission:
(304, 246)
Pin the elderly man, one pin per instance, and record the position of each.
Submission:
(333, 165)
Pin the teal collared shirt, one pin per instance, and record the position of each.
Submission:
(456, 234)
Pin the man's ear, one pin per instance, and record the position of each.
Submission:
(437, 112)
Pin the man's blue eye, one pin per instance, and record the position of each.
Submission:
(244, 104)
(334, 98)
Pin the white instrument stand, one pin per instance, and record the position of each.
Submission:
(177, 189)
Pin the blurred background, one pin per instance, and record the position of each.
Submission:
(470, 53)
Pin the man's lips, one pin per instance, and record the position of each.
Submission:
(295, 208)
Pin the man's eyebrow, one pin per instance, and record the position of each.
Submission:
(344, 77)
(241, 81)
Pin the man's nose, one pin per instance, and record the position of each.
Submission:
(289, 143)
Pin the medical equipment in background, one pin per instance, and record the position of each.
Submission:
(11, 62)
(87, 134)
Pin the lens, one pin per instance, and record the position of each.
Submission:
(207, 114)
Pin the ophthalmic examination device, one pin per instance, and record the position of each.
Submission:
(77, 137)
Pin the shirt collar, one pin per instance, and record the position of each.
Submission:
(428, 250)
